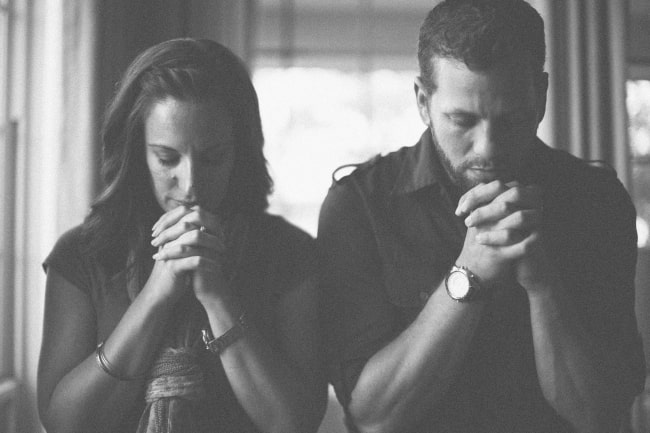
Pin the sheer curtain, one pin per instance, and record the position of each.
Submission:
(587, 64)
(587, 112)
(54, 104)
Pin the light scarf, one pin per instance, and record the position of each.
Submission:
(177, 389)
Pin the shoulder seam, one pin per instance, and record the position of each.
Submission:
(356, 166)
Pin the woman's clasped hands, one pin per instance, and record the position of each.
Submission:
(191, 246)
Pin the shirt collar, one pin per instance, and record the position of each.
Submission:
(421, 167)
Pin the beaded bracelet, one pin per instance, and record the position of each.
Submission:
(108, 368)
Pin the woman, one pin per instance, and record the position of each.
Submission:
(176, 251)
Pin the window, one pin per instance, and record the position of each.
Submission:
(5, 147)
(638, 105)
(7, 157)
(335, 83)
(317, 119)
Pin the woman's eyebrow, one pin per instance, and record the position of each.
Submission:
(159, 146)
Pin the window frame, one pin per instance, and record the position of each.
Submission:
(9, 385)
(637, 71)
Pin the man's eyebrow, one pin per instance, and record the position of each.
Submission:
(459, 111)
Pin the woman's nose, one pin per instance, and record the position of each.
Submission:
(187, 178)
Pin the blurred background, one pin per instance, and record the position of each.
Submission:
(335, 82)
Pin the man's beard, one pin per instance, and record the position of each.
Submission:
(455, 174)
(458, 175)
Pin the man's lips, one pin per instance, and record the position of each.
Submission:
(186, 203)
(489, 169)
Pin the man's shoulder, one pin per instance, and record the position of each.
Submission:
(377, 175)
(568, 170)
(588, 187)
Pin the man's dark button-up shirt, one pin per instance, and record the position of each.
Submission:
(389, 236)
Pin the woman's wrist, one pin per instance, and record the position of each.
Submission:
(223, 311)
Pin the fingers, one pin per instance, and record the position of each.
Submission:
(175, 223)
(500, 238)
(174, 232)
(169, 218)
(480, 195)
(188, 244)
(510, 244)
(513, 200)
(525, 196)
(194, 263)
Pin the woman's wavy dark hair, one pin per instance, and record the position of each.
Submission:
(481, 33)
(187, 70)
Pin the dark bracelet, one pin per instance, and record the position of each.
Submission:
(108, 368)
(219, 344)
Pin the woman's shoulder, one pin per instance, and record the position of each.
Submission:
(69, 244)
(68, 257)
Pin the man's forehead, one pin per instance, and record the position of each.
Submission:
(498, 90)
(516, 67)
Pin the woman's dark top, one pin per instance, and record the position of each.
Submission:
(276, 259)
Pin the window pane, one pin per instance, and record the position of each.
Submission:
(316, 120)
(638, 105)
(6, 298)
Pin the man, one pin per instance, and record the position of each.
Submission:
(481, 281)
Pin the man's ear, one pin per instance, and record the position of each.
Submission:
(422, 99)
(542, 93)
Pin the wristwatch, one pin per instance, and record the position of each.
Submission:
(461, 284)
(219, 344)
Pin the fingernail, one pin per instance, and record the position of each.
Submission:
(468, 221)
(155, 256)
(155, 242)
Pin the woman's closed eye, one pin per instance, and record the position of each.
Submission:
(168, 161)
(167, 158)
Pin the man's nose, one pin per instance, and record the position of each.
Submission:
(486, 141)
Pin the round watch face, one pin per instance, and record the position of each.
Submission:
(458, 285)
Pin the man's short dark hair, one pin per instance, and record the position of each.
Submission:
(482, 34)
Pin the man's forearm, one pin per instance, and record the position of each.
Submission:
(414, 371)
(578, 377)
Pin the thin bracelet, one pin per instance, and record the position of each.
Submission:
(108, 368)
(219, 344)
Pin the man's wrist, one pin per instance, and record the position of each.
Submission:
(463, 285)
